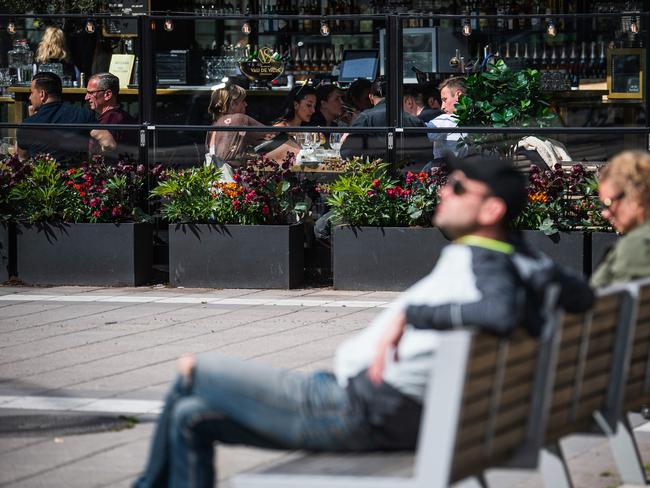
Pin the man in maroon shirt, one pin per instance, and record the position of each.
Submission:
(101, 94)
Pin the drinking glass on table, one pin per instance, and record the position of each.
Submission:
(8, 146)
(336, 141)
(306, 140)
(315, 137)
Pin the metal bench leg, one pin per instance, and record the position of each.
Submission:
(554, 469)
(625, 451)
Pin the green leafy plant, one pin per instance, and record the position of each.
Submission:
(501, 97)
(92, 192)
(366, 194)
(43, 195)
(263, 192)
(562, 200)
(186, 194)
(12, 172)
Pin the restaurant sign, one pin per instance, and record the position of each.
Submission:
(266, 67)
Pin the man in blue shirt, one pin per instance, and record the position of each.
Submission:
(65, 145)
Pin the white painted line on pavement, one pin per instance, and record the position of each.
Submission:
(211, 300)
(108, 405)
(78, 404)
(643, 428)
(25, 298)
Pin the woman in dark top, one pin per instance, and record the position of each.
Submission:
(300, 106)
(53, 49)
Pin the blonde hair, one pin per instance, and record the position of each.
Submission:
(52, 46)
(455, 83)
(222, 99)
(630, 172)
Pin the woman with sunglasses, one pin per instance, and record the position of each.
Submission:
(228, 108)
(624, 192)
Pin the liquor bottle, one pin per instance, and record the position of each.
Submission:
(553, 58)
(474, 14)
(501, 11)
(305, 9)
(526, 56)
(516, 51)
(593, 62)
(535, 22)
(324, 64)
(483, 22)
(583, 60)
(602, 61)
(535, 60)
(563, 59)
(306, 61)
(522, 11)
(297, 60)
(574, 68)
(507, 55)
(511, 20)
(543, 62)
(275, 23)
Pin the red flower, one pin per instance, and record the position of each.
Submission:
(266, 209)
(376, 183)
(236, 204)
(97, 213)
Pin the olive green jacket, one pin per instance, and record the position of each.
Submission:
(628, 260)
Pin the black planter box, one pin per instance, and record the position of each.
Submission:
(565, 248)
(383, 258)
(601, 243)
(84, 254)
(236, 256)
(7, 251)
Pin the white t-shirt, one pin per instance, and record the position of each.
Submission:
(445, 142)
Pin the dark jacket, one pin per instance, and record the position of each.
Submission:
(65, 145)
(414, 148)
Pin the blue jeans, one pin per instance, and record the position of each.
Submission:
(237, 402)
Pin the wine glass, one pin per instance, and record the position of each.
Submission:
(315, 140)
(306, 140)
(336, 141)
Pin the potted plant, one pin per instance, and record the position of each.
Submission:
(12, 171)
(382, 237)
(501, 97)
(241, 234)
(562, 217)
(81, 226)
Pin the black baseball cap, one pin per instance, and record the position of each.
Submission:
(500, 175)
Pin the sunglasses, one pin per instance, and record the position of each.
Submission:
(606, 203)
(459, 189)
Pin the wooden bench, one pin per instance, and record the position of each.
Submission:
(510, 402)
(483, 406)
(594, 375)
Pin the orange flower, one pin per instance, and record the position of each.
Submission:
(538, 197)
(231, 190)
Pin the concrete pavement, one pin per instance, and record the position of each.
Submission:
(83, 371)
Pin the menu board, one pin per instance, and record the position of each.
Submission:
(117, 27)
(625, 70)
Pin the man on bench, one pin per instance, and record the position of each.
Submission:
(373, 400)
